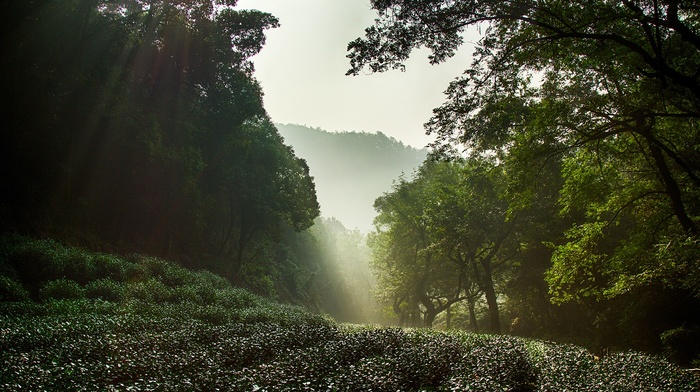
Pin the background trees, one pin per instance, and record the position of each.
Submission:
(609, 90)
(443, 238)
(137, 126)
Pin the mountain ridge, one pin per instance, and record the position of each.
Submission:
(351, 169)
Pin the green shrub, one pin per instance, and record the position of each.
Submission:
(62, 289)
(110, 267)
(500, 363)
(155, 267)
(78, 265)
(260, 280)
(136, 273)
(631, 371)
(215, 315)
(73, 307)
(151, 290)
(189, 293)
(210, 279)
(174, 275)
(11, 290)
(36, 261)
(562, 367)
(105, 289)
(682, 344)
(237, 298)
(207, 294)
(6, 269)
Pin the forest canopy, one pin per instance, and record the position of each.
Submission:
(137, 126)
(590, 113)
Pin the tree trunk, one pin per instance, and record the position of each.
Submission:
(672, 190)
(472, 314)
(429, 318)
(448, 317)
(669, 183)
(491, 298)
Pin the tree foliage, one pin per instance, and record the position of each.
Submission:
(608, 90)
(138, 126)
(442, 238)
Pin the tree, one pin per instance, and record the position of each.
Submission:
(616, 82)
(261, 185)
(478, 228)
(606, 69)
(400, 249)
(443, 238)
(611, 90)
(137, 126)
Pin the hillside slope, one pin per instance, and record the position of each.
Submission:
(76, 320)
(351, 169)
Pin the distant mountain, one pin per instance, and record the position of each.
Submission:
(351, 169)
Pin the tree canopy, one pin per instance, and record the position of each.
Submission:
(609, 92)
(138, 126)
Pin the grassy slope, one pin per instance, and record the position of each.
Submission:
(75, 320)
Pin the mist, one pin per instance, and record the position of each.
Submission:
(351, 169)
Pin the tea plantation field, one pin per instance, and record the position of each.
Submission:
(72, 320)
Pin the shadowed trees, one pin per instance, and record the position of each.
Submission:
(138, 126)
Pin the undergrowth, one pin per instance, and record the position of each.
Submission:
(72, 320)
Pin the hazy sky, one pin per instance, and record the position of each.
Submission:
(302, 71)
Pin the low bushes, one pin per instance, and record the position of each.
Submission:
(61, 289)
(105, 289)
(136, 352)
(12, 290)
(145, 324)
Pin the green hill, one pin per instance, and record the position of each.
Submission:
(351, 169)
(77, 320)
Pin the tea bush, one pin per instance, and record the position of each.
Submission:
(138, 323)
(106, 289)
(217, 282)
(565, 367)
(61, 289)
(630, 371)
(150, 290)
(111, 267)
(12, 290)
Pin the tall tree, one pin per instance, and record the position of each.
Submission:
(610, 89)
(607, 69)
(137, 125)
(443, 233)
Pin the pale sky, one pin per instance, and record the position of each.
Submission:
(302, 72)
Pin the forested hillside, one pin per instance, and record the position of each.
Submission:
(138, 127)
(351, 169)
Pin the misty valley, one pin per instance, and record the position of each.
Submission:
(161, 231)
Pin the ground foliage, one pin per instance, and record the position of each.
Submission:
(145, 324)
(127, 351)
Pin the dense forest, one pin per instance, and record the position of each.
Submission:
(138, 127)
(561, 198)
(564, 198)
(351, 169)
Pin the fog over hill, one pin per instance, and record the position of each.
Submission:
(351, 169)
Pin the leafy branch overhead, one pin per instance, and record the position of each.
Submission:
(594, 103)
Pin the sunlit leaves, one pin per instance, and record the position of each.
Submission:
(578, 269)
